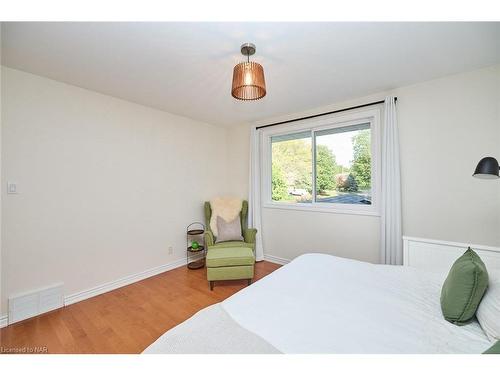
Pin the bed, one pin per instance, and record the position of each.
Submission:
(320, 303)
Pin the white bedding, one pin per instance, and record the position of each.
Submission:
(324, 304)
(210, 331)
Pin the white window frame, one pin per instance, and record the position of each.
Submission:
(371, 116)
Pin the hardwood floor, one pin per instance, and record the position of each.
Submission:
(125, 320)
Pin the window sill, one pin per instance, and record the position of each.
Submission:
(321, 208)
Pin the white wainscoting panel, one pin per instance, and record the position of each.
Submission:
(436, 255)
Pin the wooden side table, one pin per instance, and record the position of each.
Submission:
(195, 257)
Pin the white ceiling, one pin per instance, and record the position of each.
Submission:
(186, 68)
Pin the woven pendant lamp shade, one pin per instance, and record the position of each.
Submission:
(248, 81)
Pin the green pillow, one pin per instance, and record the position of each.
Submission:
(495, 349)
(463, 288)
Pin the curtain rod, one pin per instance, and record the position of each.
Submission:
(323, 114)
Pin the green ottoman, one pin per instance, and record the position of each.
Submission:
(230, 263)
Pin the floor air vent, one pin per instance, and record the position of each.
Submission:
(26, 305)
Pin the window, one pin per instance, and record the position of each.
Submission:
(291, 179)
(343, 165)
(329, 165)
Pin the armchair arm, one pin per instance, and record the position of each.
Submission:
(209, 238)
(249, 235)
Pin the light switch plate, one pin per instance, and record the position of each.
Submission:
(11, 188)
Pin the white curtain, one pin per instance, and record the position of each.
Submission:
(254, 207)
(391, 243)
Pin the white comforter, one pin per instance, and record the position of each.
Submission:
(324, 304)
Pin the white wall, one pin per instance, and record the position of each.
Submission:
(238, 158)
(1, 116)
(446, 126)
(105, 186)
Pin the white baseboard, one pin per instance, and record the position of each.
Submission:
(109, 286)
(277, 260)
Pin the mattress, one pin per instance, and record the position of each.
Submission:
(319, 303)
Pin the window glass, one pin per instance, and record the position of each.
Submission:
(343, 165)
(291, 158)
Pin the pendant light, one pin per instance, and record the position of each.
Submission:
(248, 77)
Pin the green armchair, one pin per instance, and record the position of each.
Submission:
(230, 260)
(248, 233)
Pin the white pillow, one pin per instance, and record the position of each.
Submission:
(488, 312)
